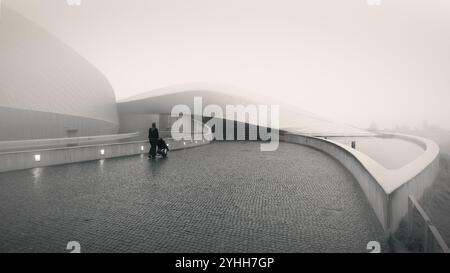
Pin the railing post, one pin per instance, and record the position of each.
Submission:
(438, 240)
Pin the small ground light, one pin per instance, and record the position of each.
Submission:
(102, 152)
(184, 143)
(37, 158)
(142, 148)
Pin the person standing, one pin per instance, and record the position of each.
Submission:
(153, 136)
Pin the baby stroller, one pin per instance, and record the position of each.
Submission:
(163, 149)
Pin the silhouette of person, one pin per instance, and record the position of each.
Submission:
(153, 136)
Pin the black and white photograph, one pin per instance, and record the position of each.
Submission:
(251, 128)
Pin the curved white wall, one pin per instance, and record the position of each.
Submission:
(46, 88)
(386, 190)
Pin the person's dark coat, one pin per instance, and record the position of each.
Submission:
(153, 134)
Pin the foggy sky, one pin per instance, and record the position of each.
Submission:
(344, 59)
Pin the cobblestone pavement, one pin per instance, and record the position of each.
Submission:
(223, 197)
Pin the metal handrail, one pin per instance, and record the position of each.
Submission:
(35, 143)
(431, 235)
(17, 145)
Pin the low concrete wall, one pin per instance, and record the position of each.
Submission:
(386, 190)
(10, 161)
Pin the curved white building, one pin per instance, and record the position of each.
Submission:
(136, 112)
(47, 90)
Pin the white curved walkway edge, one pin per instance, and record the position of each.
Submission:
(41, 152)
(386, 190)
(11, 161)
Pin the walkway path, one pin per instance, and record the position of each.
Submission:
(223, 197)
